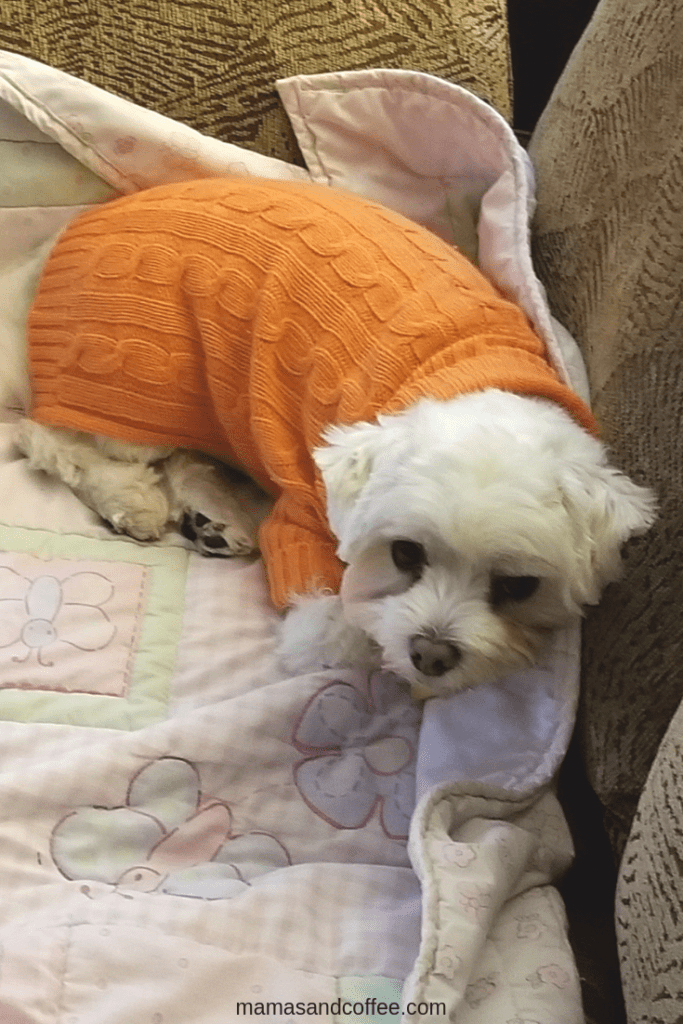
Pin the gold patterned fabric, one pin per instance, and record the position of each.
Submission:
(213, 65)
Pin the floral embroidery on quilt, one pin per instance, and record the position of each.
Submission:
(475, 900)
(530, 926)
(89, 628)
(360, 755)
(167, 837)
(549, 974)
(58, 617)
(481, 989)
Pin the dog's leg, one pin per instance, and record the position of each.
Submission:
(127, 495)
(315, 635)
(206, 510)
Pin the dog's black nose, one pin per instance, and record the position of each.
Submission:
(431, 656)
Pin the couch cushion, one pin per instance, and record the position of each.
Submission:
(609, 247)
(214, 65)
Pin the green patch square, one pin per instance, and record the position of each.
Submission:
(88, 628)
(369, 1000)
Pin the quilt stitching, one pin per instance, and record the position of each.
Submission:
(360, 755)
(45, 614)
(88, 628)
(167, 837)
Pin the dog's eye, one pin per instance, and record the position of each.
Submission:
(408, 556)
(512, 588)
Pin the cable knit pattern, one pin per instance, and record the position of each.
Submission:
(240, 317)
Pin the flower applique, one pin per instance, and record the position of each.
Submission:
(475, 900)
(77, 127)
(447, 962)
(40, 615)
(125, 144)
(359, 754)
(550, 974)
(481, 989)
(460, 854)
(530, 926)
(167, 837)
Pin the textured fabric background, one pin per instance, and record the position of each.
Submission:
(213, 64)
(609, 247)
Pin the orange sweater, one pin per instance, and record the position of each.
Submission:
(240, 317)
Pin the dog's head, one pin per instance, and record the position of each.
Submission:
(470, 529)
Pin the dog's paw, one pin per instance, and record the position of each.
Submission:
(144, 522)
(314, 635)
(215, 539)
(205, 509)
(128, 499)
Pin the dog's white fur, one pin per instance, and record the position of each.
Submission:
(141, 490)
(491, 488)
(494, 487)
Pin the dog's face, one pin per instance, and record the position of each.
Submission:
(471, 529)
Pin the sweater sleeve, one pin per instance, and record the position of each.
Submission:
(299, 553)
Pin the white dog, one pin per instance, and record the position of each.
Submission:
(469, 528)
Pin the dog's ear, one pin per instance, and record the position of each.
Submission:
(606, 508)
(346, 460)
(353, 461)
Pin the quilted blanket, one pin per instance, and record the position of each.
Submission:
(186, 833)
